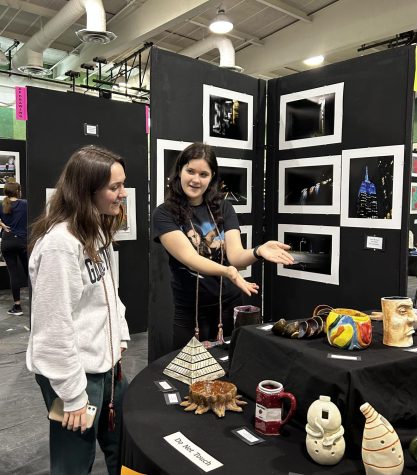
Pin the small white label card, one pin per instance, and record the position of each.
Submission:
(265, 328)
(172, 398)
(343, 357)
(224, 358)
(90, 129)
(413, 350)
(247, 436)
(193, 452)
(165, 386)
(374, 242)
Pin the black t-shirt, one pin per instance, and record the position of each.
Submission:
(183, 280)
(17, 219)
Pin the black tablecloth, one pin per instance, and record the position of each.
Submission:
(147, 419)
(385, 377)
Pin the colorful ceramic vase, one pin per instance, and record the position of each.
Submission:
(348, 329)
(325, 443)
(382, 453)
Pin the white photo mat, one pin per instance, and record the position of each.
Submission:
(336, 137)
(334, 232)
(237, 163)
(397, 151)
(247, 229)
(161, 146)
(5, 157)
(232, 95)
(334, 208)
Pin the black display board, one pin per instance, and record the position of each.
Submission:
(377, 111)
(20, 147)
(177, 85)
(55, 130)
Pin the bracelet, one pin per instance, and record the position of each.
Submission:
(255, 253)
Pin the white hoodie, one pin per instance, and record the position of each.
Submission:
(69, 315)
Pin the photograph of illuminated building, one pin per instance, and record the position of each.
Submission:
(372, 187)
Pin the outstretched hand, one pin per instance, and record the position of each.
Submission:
(275, 251)
(248, 288)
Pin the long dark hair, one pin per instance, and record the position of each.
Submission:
(176, 200)
(86, 172)
(11, 190)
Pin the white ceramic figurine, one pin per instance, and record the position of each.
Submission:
(324, 441)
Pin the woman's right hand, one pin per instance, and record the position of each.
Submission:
(74, 420)
(248, 288)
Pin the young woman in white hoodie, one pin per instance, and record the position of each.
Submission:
(78, 326)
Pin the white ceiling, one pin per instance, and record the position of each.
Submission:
(271, 37)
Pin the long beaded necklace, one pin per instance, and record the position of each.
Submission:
(219, 338)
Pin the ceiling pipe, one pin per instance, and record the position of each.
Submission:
(29, 58)
(223, 44)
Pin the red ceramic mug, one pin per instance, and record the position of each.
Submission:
(268, 415)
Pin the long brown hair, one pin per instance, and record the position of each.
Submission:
(176, 200)
(86, 172)
(11, 190)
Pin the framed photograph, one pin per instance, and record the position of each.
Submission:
(166, 153)
(372, 185)
(127, 231)
(414, 165)
(310, 185)
(311, 117)
(246, 236)
(316, 250)
(413, 198)
(236, 182)
(9, 168)
(227, 118)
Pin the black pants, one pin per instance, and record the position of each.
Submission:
(14, 249)
(208, 320)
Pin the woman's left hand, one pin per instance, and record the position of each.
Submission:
(275, 251)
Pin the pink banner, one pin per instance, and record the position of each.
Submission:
(21, 103)
(147, 119)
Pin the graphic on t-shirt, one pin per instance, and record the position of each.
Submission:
(97, 270)
(206, 240)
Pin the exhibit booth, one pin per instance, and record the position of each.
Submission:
(337, 152)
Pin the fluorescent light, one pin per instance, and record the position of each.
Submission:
(221, 24)
(314, 61)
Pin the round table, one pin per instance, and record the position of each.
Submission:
(147, 420)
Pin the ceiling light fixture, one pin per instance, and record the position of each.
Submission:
(314, 61)
(221, 24)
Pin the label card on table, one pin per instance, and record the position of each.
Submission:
(172, 398)
(165, 386)
(333, 356)
(224, 358)
(265, 328)
(247, 436)
(413, 350)
(202, 459)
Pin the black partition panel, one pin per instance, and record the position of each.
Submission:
(16, 146)
(377, 112)
(193, 101)
(56, 128)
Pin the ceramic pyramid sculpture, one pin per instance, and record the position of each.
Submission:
(382, 453)
(194, 363)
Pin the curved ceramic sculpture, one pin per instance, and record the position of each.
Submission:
(398, 321)
(299, 328)
(348, 329)
(382, 453)
(325, 443)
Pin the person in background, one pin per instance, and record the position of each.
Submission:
(78, 321)
(13, 222)
(200, 231)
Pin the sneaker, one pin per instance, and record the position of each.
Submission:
(15, 310)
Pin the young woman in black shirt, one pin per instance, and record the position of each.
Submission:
(200, 231)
